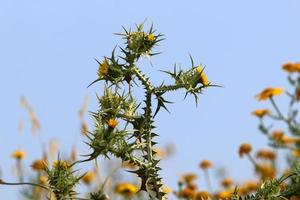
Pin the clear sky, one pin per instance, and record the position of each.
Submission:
(47, 50)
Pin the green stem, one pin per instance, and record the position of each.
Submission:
(207, 180)
(277, 109)
(148, 126)
(147, 115)
(252, 160)
(25, 183)
(167, 88)
(20, 170)
(145, 81)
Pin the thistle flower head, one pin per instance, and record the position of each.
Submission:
(62, 180)
(112, 123)
(150, 37)
(203, 78)
(103, 68)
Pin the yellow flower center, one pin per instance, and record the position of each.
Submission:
(150, 38)
(203, 77)
(103, 68)
(112, 123)
(126, 189)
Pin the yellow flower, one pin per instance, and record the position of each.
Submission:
(268, 93)
(251, 185)
(188, 178)
(291, 67)
(205, 164)
(245, 149)
(60, 164)
(227, 182)
(126, 189)
(288, 140)
(202, 195)
(166, 190)
(187, 193)
(38, 165)
(266, 171)
(278, 135)
(266, 154)
(159, 152)
(112, 123)
(226, 194)
(261, 112)
(203, 77)
(89, 177)
(19, 154)
(248, 187)
(150, 37)
(43, 180)
(296, 153)
(103, 68)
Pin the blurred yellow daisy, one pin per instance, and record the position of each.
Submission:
(126, 189)
(268, 93)
(19, 154)
(261, 112)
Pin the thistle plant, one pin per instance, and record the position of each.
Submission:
(62, 180)
(123, 126)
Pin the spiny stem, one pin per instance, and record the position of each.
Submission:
(167, 88)
(142, 78)
(148, 127)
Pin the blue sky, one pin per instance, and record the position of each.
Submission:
(47, 50)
